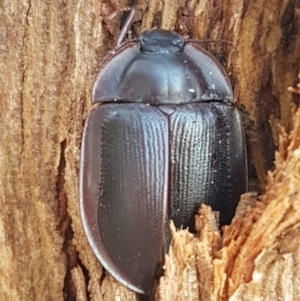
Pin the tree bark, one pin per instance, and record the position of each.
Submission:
(50, 52)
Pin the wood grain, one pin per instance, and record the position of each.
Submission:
(50, 52)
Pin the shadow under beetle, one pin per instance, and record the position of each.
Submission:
(166, 138)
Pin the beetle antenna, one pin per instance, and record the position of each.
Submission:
(210, 41)
(127, 24)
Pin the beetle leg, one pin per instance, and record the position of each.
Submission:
(126, 26)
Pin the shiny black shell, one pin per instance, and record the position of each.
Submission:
(166, 139)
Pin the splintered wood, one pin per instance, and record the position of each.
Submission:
(258, 257)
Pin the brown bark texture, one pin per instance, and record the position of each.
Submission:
(50, 52)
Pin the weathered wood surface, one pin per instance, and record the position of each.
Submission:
(50, 52)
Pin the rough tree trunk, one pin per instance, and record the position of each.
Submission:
(50, 52)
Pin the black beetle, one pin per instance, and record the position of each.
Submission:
(166, 139)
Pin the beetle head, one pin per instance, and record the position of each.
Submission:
(162, 41)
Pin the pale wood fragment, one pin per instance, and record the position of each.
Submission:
(80, 284)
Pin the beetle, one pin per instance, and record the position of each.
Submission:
(166, 138)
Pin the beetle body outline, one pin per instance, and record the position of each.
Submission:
(166, 139)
